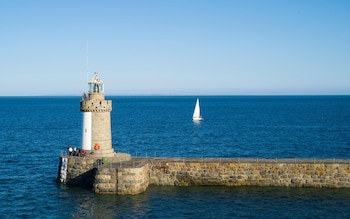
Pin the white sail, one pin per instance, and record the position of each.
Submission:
(197, 112)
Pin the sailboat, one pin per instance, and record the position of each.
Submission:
(197, 112)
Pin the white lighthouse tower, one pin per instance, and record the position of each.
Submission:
(96, 128)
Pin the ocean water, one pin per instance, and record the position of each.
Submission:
(36, 130)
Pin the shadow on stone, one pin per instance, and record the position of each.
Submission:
(86, 179)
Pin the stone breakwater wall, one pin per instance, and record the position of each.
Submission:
(327, 173)
(134, 176)
(125, 180)
(76, 171)
(114, 176)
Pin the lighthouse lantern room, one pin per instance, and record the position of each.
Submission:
(96, 85)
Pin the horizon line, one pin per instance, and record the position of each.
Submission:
(176, 95)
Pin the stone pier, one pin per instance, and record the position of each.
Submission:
(134, 175)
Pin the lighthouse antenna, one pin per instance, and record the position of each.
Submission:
(87, 61)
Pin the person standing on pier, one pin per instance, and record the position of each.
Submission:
(70, 150)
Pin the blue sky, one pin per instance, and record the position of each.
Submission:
(177, 47)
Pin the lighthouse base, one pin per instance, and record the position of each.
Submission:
(102, 153)
(108, 153)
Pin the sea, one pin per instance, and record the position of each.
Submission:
(35, 131)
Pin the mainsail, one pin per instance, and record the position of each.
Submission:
(197, 112)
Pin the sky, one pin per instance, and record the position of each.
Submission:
(175, 47)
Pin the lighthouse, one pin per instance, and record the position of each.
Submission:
(96, 127)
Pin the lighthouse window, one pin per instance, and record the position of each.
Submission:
(94, 88)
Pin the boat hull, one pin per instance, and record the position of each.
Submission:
(197, 118)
